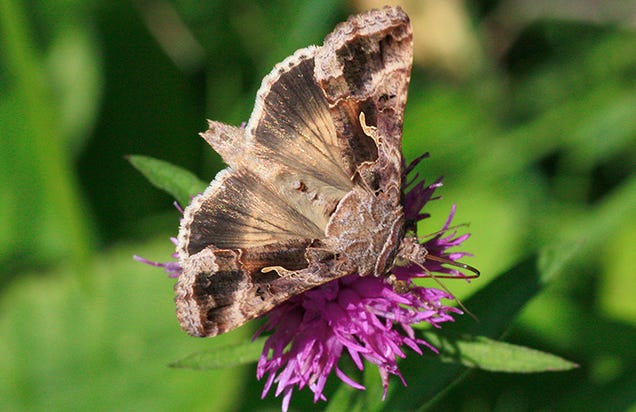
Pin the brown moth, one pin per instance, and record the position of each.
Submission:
(313, 188)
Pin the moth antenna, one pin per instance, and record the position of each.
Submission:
(437, 280)
(456, 264)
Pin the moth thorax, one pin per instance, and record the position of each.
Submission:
(410, 251)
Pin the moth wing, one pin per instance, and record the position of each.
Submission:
(364, 67)
(220, 289)
(228, 234)
(239, 210)
(228, 141)
(286, 176)
(299, 156)
(294, 139)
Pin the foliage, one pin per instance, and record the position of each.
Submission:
(529, 114)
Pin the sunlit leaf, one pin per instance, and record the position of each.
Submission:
(224, 357)
(491, 355)
(178, 182)
(496, 306)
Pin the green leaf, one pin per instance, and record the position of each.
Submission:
(225, 357)
(491, 355)
(347, 399)
(496, 306)
(176, 181)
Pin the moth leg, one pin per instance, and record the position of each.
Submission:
(412, 251)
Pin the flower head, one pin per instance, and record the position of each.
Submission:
(362, 317)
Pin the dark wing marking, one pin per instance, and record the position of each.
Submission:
(364, 67)
(219, 290)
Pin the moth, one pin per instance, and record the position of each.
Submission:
(313, 187)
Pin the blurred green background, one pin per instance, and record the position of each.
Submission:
(528, 109)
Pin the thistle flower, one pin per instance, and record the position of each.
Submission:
(362, 317)
(172, 268)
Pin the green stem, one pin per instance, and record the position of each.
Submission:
(50, 161)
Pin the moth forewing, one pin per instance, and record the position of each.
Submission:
(312, 192)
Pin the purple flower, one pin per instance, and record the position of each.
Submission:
(364, 317)
(172, 268)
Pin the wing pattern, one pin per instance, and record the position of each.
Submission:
(312, 191)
